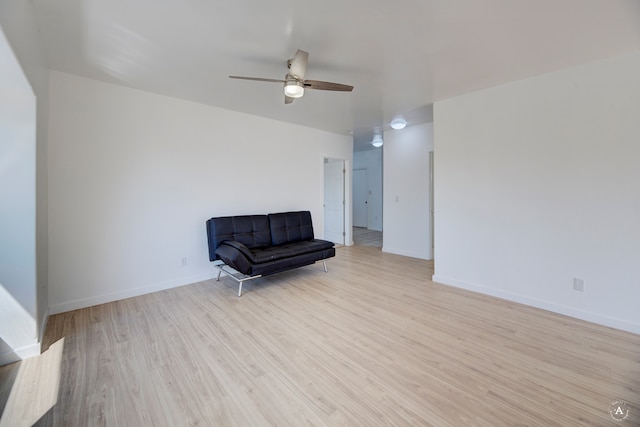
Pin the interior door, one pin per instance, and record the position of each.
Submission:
(360, 208)
(334, 202)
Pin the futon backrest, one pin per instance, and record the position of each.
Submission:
(250, 230)
(289, 227)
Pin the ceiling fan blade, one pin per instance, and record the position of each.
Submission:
(317, 84)
(298, 64)
(257, 79)
(288, 99)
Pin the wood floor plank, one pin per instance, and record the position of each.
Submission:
(34, 389)
(373, 342)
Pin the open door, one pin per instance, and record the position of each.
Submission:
(360, 208)
(334, 201)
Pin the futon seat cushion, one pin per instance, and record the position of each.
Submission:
(273, 253)
(275, 259)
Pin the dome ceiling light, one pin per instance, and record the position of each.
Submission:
(377, 140)
(398, 123)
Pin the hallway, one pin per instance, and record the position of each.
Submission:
(365, 237)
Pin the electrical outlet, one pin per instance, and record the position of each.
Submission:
(578, 284)
(184, 261)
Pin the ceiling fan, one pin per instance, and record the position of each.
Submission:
(294, 82)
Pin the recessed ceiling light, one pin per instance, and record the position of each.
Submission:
(398, 123)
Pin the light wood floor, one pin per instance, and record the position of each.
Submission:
(33, 391)
(373, 342)
(365, 237)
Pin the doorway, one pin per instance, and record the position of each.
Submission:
(367, 182)
(362, 234)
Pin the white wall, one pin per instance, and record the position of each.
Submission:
(537, 184)
(371, 160)
(406, 191)
(133, 177)
(23, 119)
(18, 305)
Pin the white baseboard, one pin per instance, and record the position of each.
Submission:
(404, 253)
(105, 298)
(545, 305)
(19, 354)
(28, 351)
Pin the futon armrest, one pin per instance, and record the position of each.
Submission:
(235, 255)
(240, 247)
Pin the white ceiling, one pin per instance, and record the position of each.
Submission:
(400, 55)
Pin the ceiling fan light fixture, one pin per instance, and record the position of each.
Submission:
(398, 123)
(293, 88)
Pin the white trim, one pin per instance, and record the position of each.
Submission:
(43, 327)
(404, 253)
(116, 296)
(545, 305)
(22, 353)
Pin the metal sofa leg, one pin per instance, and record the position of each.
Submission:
(238, 277)
(324, 265)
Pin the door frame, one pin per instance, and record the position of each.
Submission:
(347, 198)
